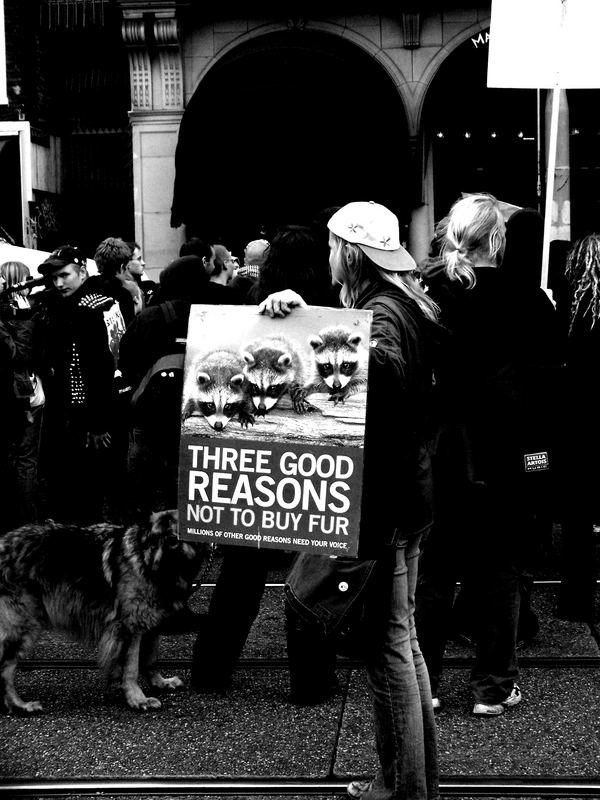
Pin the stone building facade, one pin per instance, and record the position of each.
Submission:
(239, 120)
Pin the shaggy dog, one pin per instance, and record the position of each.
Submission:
(104, 584)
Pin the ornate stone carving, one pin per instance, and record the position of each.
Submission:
(172, 79)
(153, 47)
(411, 27)
(133, 31)
(166, 34)
(140, 71)
(296, 23)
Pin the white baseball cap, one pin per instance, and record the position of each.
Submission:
(376, 231)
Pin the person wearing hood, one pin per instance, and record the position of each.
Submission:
(158, 331)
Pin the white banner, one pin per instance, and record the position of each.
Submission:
(544, 43)
(3, 94)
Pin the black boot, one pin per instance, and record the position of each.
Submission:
(311, 662)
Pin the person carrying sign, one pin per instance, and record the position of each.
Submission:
(376, 273)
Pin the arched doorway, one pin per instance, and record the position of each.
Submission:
(283, 128)
(584, 117)
(480, 139)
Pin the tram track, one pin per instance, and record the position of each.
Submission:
(451, 662)
(546, 787)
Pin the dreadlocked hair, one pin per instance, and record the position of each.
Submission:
(583, 273)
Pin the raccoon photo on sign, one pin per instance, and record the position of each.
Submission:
(255, 381)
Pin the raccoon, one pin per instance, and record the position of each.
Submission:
(273, 367)
(340, 363)
(217, 389)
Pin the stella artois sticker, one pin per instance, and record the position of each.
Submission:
(536, 462)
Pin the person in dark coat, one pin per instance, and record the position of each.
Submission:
(483, 382)
(580, 474)
(542, 345)
(83, 328)
(160, 329)
(21, 355)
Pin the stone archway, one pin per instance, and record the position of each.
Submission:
(283, 127)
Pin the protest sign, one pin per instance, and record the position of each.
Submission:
(272, 431)
(544, 43)
(3, 94)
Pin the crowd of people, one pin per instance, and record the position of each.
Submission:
(490, 383)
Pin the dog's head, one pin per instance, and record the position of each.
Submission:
(164, 527)
(156, 551)
(166, 546)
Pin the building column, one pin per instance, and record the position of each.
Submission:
(422, 221)
(151, 34)
(154, 139)
(561, 202)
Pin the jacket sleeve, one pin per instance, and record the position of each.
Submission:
(388, 354)
(98, 368)
(140, 345)
(128, 360)
(401, 367)
(8, 347)
(22, 332)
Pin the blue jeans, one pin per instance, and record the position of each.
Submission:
(26, 455)
(405, 729)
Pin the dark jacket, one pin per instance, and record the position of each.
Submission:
(500, 332)
(499, 371)
(397, 483)
(149, 337)
(219, 294)
(399, 427)
(147, 288)
(113, 287)
(80, 362)
(21, 349)
(154, 333)
(582, 388)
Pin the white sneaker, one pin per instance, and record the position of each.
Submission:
(495, 709)
(356, 789)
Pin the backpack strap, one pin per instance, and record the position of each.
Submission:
(168, 311)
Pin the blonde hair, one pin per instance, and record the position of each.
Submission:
(14, 272)
(358, 269)
(476, 230)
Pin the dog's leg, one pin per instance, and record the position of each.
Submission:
(148, 659)
(111, 654)
(133, 693)
(12, 702)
